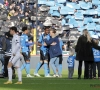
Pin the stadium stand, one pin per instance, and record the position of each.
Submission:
(68, 17)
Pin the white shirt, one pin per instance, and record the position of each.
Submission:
(16, 44)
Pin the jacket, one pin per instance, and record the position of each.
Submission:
(2, 44)
(84, 50)
(70, 61)
(54, 50)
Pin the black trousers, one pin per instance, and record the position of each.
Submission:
(80, 68)
(88, 69)
(94, 69)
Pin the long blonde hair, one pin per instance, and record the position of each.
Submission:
(86, 33)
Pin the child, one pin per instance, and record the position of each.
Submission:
(70, 62)
(96, 54)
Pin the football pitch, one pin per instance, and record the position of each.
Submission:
(52, 83)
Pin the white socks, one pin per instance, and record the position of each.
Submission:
(19, 74)
(10, 74)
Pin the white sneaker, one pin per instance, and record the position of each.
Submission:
(57, 75)
(29, 76)
(54, 75)
(37, 75)
(48, 76)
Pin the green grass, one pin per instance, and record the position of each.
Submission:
(51, 83)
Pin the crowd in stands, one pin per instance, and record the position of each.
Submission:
(68, 17)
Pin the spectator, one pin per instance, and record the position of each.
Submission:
(96, 54)
(2, 49)
(71, 62)
(84, 53)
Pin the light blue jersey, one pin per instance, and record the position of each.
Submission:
(41, 40)
(70, 61)
(96, 54)
(24, 43)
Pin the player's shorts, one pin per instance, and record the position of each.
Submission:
(26, 56)
(44, 57)
(60, 59)
(15, 60)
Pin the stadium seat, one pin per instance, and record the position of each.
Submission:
(49, 18)
(98, 10)
(44, 8)
(95, 2)
(55, 22)
(80, 29)
(67, 10)
(91, 33)
(63, 22)
(88, 20)
(50, 11)
(98, 13)
(61, 1)
(58, 4)
(91, 26)
(54, 7)
(55, 13)
(65, 27)
(98, 34)
(91, 12)
(80, 24)
(72, 23)
(50, 3)
(78, 15)
(70, 10)
(97, 27)
(85, 5)
(96, 20)
(73, 5)
(42, 2)
(63, 11)
(81, 11)
(75, 25)
(69, 16)
(98, 6)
